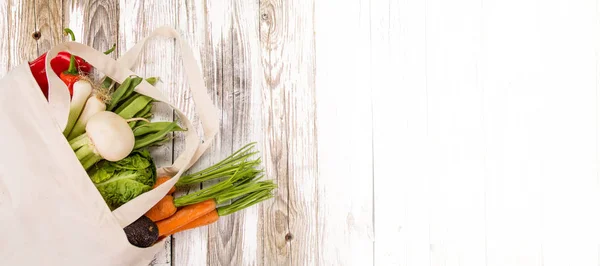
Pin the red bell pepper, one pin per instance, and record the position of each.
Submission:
(59, 64)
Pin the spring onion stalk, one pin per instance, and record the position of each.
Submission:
(81, 91)
(225, 168)
(245, 202)
(78, 142)
(242, 180)
(108, 137)
(243, 189)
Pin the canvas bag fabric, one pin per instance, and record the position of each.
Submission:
(50, 211)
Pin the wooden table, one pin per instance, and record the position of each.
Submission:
(400, 132)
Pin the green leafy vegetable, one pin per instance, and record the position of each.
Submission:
(122, 181)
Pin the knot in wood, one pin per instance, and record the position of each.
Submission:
(36, 35)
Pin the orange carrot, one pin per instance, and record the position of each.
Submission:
(160, 181)
(211, 217)
(206, 219)
(184, 216)
(162, 210)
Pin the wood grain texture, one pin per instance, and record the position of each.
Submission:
(231, 79)
(222, 236)
(248, 119)
(22, 47)
(49, 23)
(102, 18)
(276, 215)
(194, 247)
(287, 38)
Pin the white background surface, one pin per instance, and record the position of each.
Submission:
(401, 132)
(485, 132)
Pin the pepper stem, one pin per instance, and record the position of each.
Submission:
(70, 33)
(111, 49)
(72, 63)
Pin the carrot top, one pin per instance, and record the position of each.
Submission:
(246, 201)
(243, 175)
(226, 168)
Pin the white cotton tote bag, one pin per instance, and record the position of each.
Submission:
(50, 211)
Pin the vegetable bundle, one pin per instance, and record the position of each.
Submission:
(240, 187)
(109, 131)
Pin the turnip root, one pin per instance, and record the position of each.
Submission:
(108, 137)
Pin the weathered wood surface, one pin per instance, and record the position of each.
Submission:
(400, 132)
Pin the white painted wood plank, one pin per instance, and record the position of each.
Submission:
(193, 247)
(222, 236)
(290, 221)
(248, 118)
(276, 250)
(540, 98)
(94, 23)
(21, 25)
(569, 184)
(344, 133)
(455, 133)
(226, 34)
(514, 94)
(401, 195)
(49, 21)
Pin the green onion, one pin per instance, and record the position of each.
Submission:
(225, 168)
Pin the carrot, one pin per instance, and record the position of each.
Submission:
(241, 186)
(184, 216)
(220, 192)
(162, 210)
(212, 216)
(206, 219)
(160, 181)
